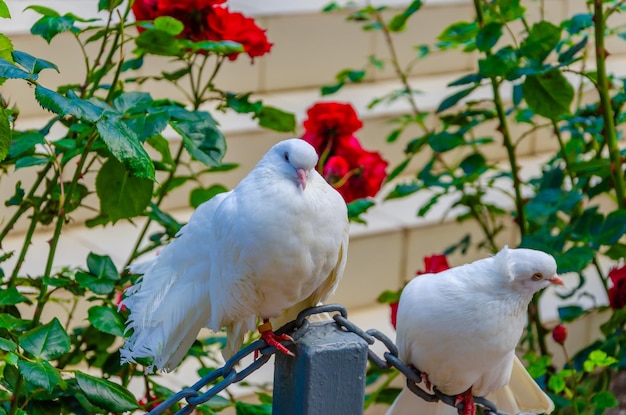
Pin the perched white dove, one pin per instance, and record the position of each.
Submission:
(275, 244)
(460, 328)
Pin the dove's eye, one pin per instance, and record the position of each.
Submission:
(286, 156)
(537, 276)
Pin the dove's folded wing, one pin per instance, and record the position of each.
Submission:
(171, 301)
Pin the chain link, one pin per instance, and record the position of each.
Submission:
(296, 329)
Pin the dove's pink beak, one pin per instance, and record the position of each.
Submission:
(302, 176)
(556, 280)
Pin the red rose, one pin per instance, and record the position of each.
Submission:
(145, 9)
(617, 293)
(559, 334)
(331, 119)
(206, 20)
(355, 172)
(434, 264)
(223, 24)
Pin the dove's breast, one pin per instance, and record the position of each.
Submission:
(285, 248)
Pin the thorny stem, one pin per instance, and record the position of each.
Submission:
(399, 72)
(533, 309)
(506, 135)
(610, 134)
(605, 283)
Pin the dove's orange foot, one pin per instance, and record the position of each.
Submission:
(272, 339)
(467, 399)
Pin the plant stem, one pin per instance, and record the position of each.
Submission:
(54, 241)
(610, 134)
(506, 135)
(399, 72)
(25, 205)
(163, 192)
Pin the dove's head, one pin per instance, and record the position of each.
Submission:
(529, 269)
(295, 158)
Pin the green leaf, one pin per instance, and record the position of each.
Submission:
(445, 141)
(201, 137)
(604, 400)
(46, 11)
(276, 119)
(616, 251)
(59, 104)
(499, 64)
(241, 104)
(41, 373)
(242, 408)
(403, 190)
(10, 296)
(106, 320)
(97, 285)
(357, 207)
(29, 161)
(108, 5)
(454, 98)
(162, 146)
(106, 394)
(32, 64)
(4, 10)
(48, 341)
(125, 145)
(158, 42)
(488, 36)
(7, 321)
(200, 195)
(6, 48)
(389, 297)
(570, 313)
(575, 259)
(9, 70)
(134, 101)
(121, 194)
(474, 163)
(5, 134)
(613, 229)
(102, 266)
(49, 26)
(398, 22)
(549, 95)
(169, 25)
(556, 383)
(542, 39)
(7, 345)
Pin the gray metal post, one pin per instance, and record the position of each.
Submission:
(326, 377)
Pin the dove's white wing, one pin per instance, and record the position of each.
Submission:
(171, 301)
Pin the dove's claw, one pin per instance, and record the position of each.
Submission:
(273, 339)
(467, 399)
(427, 383)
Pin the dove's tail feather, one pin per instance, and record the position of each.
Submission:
(521, 394)
(168, 307)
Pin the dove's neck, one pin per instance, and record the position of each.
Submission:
(496, 282)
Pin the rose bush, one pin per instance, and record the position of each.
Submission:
(208, 20)
(110, 158)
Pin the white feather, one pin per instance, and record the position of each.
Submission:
(461, 327)
(265, 247)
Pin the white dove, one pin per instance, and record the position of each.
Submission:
(274, 245)
(460, 328)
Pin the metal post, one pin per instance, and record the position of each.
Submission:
(327, 375)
